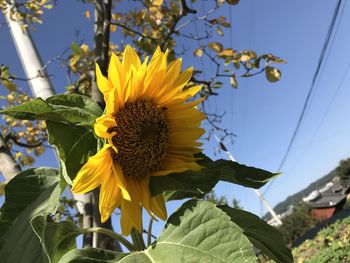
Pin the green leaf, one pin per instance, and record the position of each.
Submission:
(11, 86)
(236, 64)
(75, 48)
(233, 81)
(215, 46)
(272, 58)
(219, 31)
(272, 74)
(78, 101)
(75, 145)
(232, 2)
(184, 185)
(57, 238)
(92, 255)
(198, 52)
(71, 108)
(263, 236)
(28, 110)
(34, 192)
(228, 52)
(196, 184)
(2, 188)
(241, 174)
(198, 232)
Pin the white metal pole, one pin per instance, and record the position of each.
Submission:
(258, 193)
(39, 83)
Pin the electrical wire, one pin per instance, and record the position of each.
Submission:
(313, 83)
(312, 87)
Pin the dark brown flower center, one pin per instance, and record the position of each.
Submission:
(141, 138)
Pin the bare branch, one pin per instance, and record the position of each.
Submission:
(214, 119)
(8, 168)
(22, 144)
(184, 10)
(133, 31)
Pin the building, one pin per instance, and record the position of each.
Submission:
(329, 201)
(327, 205)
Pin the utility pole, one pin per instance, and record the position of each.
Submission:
(257, 192)
(39, 83)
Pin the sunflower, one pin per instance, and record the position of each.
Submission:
(150, 129)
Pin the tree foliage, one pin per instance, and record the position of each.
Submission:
(297, 223)
(343, 171)
(331, 244)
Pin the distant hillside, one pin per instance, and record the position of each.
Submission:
(296, 198)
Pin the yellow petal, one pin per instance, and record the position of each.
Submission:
(92, 173)
(189, 93)
(173, 163)
(120, 180)
(125, 222)
(183, 79)
(178, 105)
(131, 211)
(117, 76)
(171, 75)
(158, 206)
(178, 86)
(188, 135)
(155, 73)
(102, 82)
(130, 57)
(102, 124)
(145, 195)
(110, 197)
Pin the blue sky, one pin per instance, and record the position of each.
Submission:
(261, 114)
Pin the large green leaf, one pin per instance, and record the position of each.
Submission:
(74, 143)
(34, 192)
(241, 174)
(198, 232)
(263, 236)
(91, 255)
(196, 184)
(28, 110)
(56, 238)
(71, 108)
(184, 185)
(77, 101)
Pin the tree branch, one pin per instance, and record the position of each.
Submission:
(22, 144)
(184, 10)
(103, 9)
(9, 167)
(133, 31)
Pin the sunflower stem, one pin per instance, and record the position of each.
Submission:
(113, 235)
(149, 232)
(138, 239)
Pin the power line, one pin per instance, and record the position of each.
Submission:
(341, 82)
(200, 43)
(212, 72)
(346, 72)
(313, 84)
(312, 87)
(232, 98)
(230, 17)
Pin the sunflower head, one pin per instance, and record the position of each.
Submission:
(150, 129)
